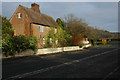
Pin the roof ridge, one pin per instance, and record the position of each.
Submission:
(38, 18)
(33, 10)
(22, 6)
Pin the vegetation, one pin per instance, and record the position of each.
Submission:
(70, 28)
(76, 27)
(6, 28)
(60, 23)
(115, 36)
(80, 46)
(0, 32)
(67, 38)
(15, 44)
(58, 39)
(100, 43)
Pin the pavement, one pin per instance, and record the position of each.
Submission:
(99, 62)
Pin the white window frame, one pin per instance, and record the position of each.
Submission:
(56, 41)
(55, 31)
(19, 15)
(50, 40)
(41, 29)
(43, 40)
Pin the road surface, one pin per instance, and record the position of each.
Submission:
(94, 63)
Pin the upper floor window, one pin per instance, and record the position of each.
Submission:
(41, 28)
(19, 15)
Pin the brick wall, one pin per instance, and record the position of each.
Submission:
(20, 25)
(40, 35)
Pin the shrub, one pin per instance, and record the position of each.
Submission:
(63, 38)
(7, 46)
(32, 41)
(6, 28)
(15, 44)
(80, 46)
(98, 43)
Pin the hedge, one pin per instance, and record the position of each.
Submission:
(16, 44)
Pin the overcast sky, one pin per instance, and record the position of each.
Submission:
(59, 0)
(103, 15)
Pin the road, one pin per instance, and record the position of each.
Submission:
(99, 62)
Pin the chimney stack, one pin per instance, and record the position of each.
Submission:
(35, 7)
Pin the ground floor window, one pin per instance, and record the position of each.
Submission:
(43, 40)
(50, 40)
(56, 41)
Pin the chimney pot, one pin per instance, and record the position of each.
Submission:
(35, 7)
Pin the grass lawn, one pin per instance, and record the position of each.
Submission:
(100, 43)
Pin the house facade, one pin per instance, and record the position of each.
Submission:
(30, 21)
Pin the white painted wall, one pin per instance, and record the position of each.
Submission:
(55, 50)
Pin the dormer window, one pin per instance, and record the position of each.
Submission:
(19, 15)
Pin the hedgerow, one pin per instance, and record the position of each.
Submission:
(16, 44)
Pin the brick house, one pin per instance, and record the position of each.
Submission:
(30, 21)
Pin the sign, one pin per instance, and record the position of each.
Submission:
(104, 41)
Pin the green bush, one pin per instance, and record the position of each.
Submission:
(80, 46)
(15, 44)
(7, 46)
(64, 39)
(98, 43)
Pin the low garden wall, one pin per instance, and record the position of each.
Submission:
(55, 50)
(86, 46)
(48, 51)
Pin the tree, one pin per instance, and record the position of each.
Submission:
(60, 23)
(0, 26)
(15, 44)
(74, 25)
(0, 32)
(78, 28)
(60, 36)
(6, 28)
(64, 35)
